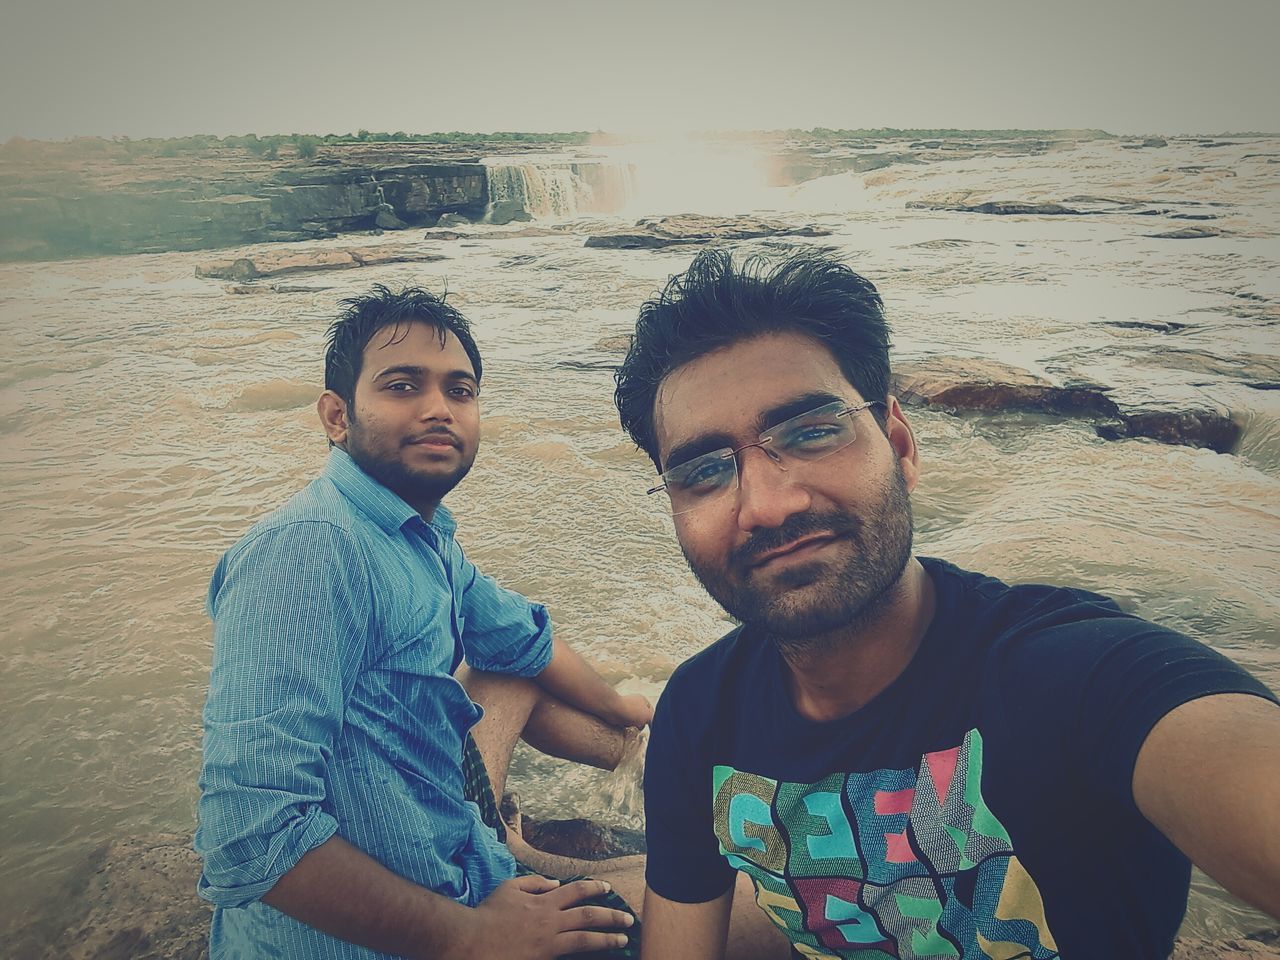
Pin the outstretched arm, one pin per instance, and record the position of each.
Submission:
(570, 678)
(1208, 776)
(340, 890)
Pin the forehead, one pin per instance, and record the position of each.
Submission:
(728, 390)
(414, 344)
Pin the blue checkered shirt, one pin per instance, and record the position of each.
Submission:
(338, 623)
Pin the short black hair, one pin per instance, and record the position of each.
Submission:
(364, 316)
(716, 303)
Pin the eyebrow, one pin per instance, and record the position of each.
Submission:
(410, 370)
(705, 443)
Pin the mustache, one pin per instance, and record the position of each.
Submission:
(434, 433)
(793, 528)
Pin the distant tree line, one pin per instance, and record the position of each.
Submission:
(269, 147)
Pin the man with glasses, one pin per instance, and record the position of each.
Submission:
(904, 759)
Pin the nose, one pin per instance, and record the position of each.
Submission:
(767, 492)
(434, 405)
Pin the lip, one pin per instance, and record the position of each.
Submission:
(436, 440)
(796, 548)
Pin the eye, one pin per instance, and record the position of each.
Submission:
(704, 475)
(399, 386)
(813, 436)
(463, 392)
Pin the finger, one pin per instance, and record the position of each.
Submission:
(579, 890)
(535, 883)
(595, 917)
(584, 941)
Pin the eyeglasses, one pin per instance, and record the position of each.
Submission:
(811, 436)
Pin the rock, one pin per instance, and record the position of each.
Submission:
(584, 839)
(452, 220)
(655, 232)
(1002, 208)
(972, 384)
(615, 343)
(386, 218)
(1155, 142)
(274, 264)
(503, 212)
(1187, 233)
(140, 903)
(1215, 430)
(630, 241)
(1262, 945)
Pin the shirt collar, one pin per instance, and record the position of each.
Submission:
(377, 502)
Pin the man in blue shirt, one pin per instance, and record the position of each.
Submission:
(335, 819)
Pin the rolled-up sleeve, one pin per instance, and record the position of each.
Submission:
(291, 611)
(503, 632)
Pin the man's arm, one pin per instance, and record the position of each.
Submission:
(731, 926)
(685, 931)
(570, 678)
(1208, 777)
(342, 891)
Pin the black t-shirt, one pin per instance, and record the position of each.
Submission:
(979, 806)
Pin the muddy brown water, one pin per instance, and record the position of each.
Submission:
(149, 417)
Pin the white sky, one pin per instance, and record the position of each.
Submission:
(173, 67)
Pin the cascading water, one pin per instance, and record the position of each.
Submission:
(556, 188)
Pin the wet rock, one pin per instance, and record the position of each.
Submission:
(140, 903)
(386, 219)
(1155, 142)
(966, 383)
(274, 264)
(453, 220)
(630, 241)
(655, 232)
(1003, 208)
(581, 838)
(1214, 430)
(1187, 233)
(618, 343)
(503, 212)
(963, 383)
(1262, 945)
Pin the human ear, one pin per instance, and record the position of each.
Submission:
(903, 441)
(333, 416)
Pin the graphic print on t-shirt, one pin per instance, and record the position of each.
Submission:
(891, 863)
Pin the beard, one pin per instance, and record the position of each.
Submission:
(414, 486)
(801, 605)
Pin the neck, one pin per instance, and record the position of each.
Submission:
(838, 673)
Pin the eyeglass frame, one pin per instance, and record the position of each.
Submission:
(731, 453)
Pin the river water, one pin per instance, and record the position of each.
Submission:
(149, 417)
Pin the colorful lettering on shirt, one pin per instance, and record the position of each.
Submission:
(885, 864)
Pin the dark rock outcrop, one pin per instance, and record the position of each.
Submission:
(1003, 208)
(964, 383)
(217, 201)
(654, 232)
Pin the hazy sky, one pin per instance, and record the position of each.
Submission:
(172, 67)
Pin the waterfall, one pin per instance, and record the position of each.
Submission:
(560, 188)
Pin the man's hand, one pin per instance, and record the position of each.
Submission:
(632, 710)
(534, 918)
